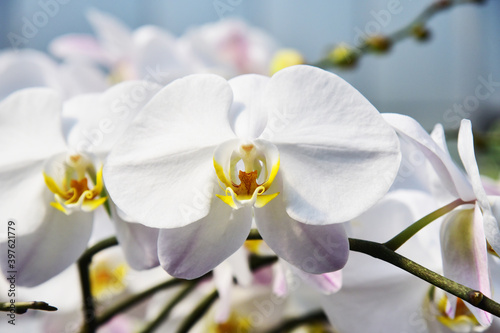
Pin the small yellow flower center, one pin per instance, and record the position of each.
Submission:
(68, 178)
(107, 279)
(255, 170)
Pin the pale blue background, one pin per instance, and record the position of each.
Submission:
(422, 80)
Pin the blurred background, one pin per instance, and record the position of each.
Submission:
(421, 79)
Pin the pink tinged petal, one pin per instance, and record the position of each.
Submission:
(326, 283)
(280, 284)
(99, 120)
(313, 249)
(223, 278)
(161, 171)
(465, 146)
(248, 114)
(44, 253)
(451, 176)
(464, 255)
(30, 127)
(138, 242)
(191, 251)
(78, 46)
(322, 126)
(115, 38)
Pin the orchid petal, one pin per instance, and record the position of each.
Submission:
(223, 279)
(156, 50)
(240, 267)
(248, 114)
(327, 283)
(115, 37)
(450, 175)
(390, 305)
(439, 138)
(191, 251)
(22, 69)
(99, 120)
(147, 174)
(77, 46)
(466, 151)
(43, 253)
(30, 127)
(316, 120)
(139, 243)
(464, 255)
(313, 249)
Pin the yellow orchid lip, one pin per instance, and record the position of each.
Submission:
(70, 184)
(246, 171)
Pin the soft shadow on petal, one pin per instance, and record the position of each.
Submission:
(191, 251)
(138, 242)
(322, 126)
(50, 249)
(313, 249)
(248, 115)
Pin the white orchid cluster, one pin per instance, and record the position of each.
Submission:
(243, 189)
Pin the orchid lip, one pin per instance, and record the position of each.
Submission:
(245, 171)
(75, 184)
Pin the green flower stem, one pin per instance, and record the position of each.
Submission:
(308, 319)
(22, 307)
(90, 322)
(135, 299)
(198, 312)
(382, 252)
(163, 315)
(396, 242)
(407, 31)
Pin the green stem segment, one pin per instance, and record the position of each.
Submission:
(198, 312)
(90, 319)
(382, 252)
(135, 299)
(396, 242)
(23, 307)
(163, 315)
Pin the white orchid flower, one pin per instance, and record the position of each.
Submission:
(148, 53)
(301, 151)
(28, 68)
(51, 183)
(463, 234)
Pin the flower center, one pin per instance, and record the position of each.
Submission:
(107, 278)
(68, 177)
(256, 164)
